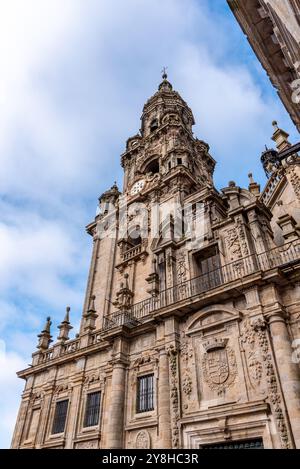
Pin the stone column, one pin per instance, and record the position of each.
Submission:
(74, 411)
(164, 413)
(287, 370)
(44, 416)
(116, 407)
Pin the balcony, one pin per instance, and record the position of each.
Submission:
(187, 294)
(131, 253)
(69, 347)
(285, 257)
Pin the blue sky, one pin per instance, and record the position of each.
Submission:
(75, 76)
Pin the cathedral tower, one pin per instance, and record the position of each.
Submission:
(191, 308)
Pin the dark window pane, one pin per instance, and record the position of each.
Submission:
(60, 417)
(247, 444)
(145, 393)
(92, 409)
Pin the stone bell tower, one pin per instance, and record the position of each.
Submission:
(165, 146)
(163, 165)
(191, 311)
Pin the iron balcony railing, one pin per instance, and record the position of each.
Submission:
(283, 256)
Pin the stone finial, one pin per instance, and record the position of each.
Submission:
(254, 188)
(231, 184)
(280, 137)
(126, 277)
(124, 296)
(91, 315)
(47, 325)
(67, 315)
(154, 264)
(92, 307)
(45, 337)
(250, 176)
(65, 326)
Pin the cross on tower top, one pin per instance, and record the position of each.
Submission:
(164, 73)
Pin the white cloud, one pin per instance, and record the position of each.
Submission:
(11, 389)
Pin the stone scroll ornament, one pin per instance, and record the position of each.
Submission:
(257, 331)
(174, 395)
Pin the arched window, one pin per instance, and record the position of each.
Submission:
(153, 167)
(134, 237)
(153, 125)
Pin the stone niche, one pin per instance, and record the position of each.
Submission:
(211, 359)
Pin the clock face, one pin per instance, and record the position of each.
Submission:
(137, 187)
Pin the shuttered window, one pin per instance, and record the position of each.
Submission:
(60, 417)
(145, 393)
(92, 409)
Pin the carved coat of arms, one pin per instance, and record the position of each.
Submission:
(219, 368)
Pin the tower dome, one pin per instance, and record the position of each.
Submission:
(163, 105)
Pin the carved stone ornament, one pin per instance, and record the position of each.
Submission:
(252, 353)
(143, 440)
(174, 395)
(233, 244)
(87, 445)
(219, 369)
(92, 378)
(236, 242)
(144, 360)
(254, 366)
(181, 268)
(295, 181)
(255, 334)
(37, 396)
(186, 357)
(62, 388)
(187, 384)
(242, 236)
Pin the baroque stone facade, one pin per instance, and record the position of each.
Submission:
(205, 307)
(273, 30)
